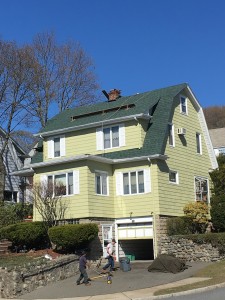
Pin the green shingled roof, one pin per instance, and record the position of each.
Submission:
(161, 100)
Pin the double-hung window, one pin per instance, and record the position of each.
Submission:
(110, 137)
(171, 135)
(56, 146)
(201, 189)
(173, 177)
(183, 105)
(62, 184)
(198, 143)
(101, 183)
(133, 182)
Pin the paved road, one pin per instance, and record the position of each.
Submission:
(213, 294)
(137, 278)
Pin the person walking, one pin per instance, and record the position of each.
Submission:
(82, 269)
(110, 256)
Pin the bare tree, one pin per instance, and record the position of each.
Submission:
(64, 76)
(215, 116)
(16, 72)
(47, 199)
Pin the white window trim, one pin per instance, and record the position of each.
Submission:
(177, 177)
(119, 182)
(200, 143)
(76, 184)
(208, 195)
(107, 182)
(183, 113)
(173, 136)
(50, 145)
(100, 137)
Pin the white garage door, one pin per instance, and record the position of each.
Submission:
(135, 231)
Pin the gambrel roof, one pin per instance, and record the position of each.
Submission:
(155, 106)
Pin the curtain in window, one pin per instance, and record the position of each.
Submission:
(56, 147)
(115, 136)
(126, 183)
(133, 183)
(141, 186)
(106, 134)
(104, 184)
(70, 183)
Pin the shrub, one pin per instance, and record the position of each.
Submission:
(179, 225)
(72, 237)
(11, 213)
(215, 239)
(218, 212)
(32, 235)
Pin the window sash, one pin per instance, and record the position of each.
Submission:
(183, 104)
(201, 189)
(171, 134)
(133, 183)
(198, 143)
(61, 184)
(111, 137)
(56, 147)
(101, 184)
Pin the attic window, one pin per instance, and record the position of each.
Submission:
(127, 106)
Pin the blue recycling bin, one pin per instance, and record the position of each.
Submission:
(125, 264)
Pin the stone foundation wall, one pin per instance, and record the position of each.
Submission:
(188, 250)
(18, 281)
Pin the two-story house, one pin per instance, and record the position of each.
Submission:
(14, 187)
(129, 163)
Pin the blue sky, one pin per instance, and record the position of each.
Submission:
(136, 45)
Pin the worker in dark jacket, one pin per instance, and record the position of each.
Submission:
(82, 269)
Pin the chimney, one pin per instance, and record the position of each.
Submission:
(114, 94)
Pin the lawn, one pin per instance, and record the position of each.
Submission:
(215, 271)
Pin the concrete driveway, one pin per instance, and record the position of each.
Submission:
(137, 278)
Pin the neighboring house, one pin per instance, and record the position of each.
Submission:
(13, 159)
(218, 140)
(128, 164)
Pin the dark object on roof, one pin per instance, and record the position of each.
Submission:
(167, 264)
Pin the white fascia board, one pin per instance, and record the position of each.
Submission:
(95, 124)
(96, 158)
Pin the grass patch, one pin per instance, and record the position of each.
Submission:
(8, 261)
(215, 272)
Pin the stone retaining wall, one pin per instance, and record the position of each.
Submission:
(17, 281)
(189, 250)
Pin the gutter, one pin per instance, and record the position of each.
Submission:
(98, 159)
(94, 124)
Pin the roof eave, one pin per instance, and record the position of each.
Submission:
(98, 159)
(94, 124)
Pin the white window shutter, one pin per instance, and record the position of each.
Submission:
(99, 139)
(119, 183)
(50, 146)
(76, 182)
(122, 135)
(147, 180)
(43, 185)
(62, 146)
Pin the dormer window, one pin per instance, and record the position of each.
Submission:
(110, 137)
(183, 105)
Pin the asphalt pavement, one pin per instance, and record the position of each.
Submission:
(138, 283)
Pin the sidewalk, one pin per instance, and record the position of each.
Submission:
(135, 284)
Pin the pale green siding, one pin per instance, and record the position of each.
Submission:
(184, 159)
(139, 204)
(84, 141)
